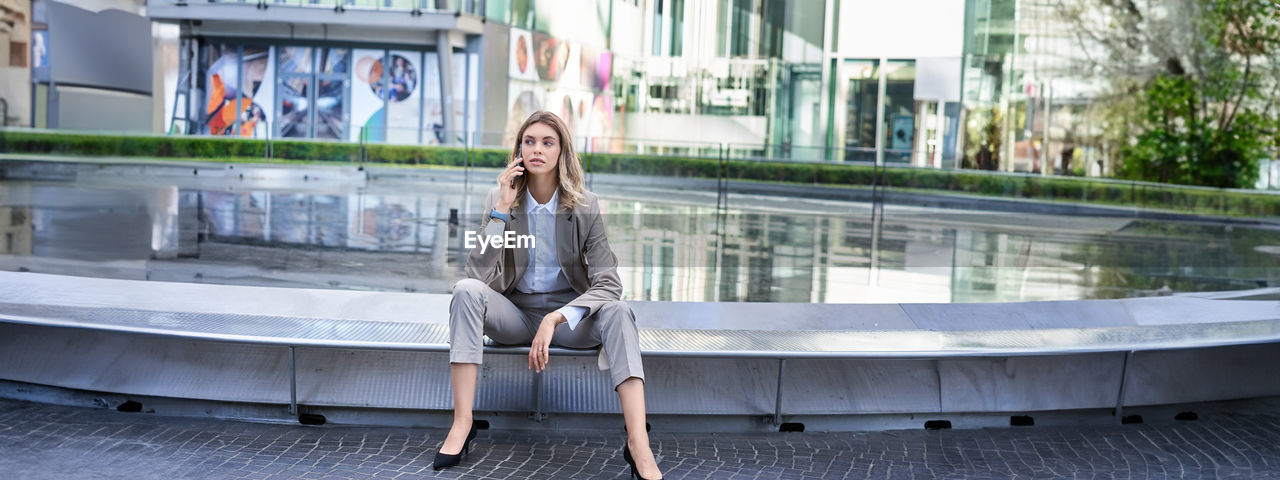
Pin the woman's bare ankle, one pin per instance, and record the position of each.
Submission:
(462, 420)
(639, 444)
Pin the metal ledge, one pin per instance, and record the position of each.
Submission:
(657, 342)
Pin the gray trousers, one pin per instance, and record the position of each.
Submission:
(478, 310)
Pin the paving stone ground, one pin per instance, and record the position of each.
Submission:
(39, 441)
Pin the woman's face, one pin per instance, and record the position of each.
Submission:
(540, 148)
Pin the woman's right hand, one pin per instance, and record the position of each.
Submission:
(507, 185)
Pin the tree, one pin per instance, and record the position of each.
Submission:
(1197, 82)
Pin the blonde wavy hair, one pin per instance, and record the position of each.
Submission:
(572, 192)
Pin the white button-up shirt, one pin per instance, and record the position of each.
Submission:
(542, 273)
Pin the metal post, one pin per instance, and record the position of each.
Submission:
(777, 412)
(1050, 165)
(1124, 374)
(293, 384)
(266, 148)
(362, 151)
(881, 91)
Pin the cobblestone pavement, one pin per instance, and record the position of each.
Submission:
(39, 441)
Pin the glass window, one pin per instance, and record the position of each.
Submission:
(899, 110)
(295, 69)
(334, 61)
(657, 28)
(499, 10)
(522, 14)
(332, 111)
(295, 60)
(256, 96)
(861, 87)
(677, 28)
(740, 29)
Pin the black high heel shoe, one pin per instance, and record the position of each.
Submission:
(444, 460)
(626, 455)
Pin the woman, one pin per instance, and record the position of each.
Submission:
(563, 290)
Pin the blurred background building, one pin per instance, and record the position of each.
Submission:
(933, 83)
(15, 65)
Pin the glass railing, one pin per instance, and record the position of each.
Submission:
(601, 154)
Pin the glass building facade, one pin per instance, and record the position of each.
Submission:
(1024, 109)
(821, 80)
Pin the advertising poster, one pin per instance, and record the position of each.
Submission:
(599, 126)
(903, 132)
(331, 119)
(404, 101)
(40, 55)
(295, 91)
(572, 75)
(566, 78)
(524, 99)
(432, 122)
(550, 57)
(367, 107)
(597, 68)
(521, 56)
(572, 106)
(220, 83)
(239, 99)
(259, 83)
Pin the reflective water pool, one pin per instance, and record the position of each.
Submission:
(672, 244)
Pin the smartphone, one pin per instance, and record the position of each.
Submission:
(519, 181)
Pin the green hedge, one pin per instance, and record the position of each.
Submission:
(1166, 197)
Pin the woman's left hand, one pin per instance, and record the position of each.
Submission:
(539, 350)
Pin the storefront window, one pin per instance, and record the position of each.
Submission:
(899, 110)
(860, 81)
(295, 69)
(331, 93)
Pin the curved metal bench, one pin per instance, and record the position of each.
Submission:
(781, 345)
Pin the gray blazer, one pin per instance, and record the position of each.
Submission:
(585, 257)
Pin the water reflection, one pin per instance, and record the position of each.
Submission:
(669, 248)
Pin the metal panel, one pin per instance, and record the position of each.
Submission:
(859, 386)
(505, 384)
(576, 384)
(1202, 375)
(374, 378)
(710, 386)
(1030, 383)
(143, 365)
